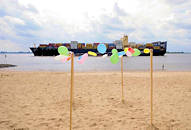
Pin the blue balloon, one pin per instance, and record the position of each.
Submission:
(101, 48)
(121, 53)
(79, 57)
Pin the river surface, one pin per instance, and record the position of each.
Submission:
(28, 62)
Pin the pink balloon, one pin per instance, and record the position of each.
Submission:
(83, 58)
(64, 59)
(128, 53)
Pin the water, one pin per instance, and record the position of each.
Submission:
(28, 62)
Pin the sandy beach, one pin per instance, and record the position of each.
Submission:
(40, 101)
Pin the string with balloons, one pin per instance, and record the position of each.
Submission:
(64, 54)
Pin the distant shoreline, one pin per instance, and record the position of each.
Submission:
(6, 65)
(176, 52)
(3, 52)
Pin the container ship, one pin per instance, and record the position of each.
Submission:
(159, 48)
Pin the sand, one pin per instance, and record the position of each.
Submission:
(40, 101)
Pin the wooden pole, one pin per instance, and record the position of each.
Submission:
(151, 83)
(122, 80)
(71, 88)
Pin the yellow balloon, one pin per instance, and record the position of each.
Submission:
(126, 49)
(146, 50)
(92, 53)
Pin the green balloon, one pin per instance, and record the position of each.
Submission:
(62, 50)
(114, 58)
(136, 53)
(114, 51)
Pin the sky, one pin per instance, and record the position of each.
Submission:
(25, 22)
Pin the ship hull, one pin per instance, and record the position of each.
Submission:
(54, 52)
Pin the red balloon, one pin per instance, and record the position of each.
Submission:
(131, 50)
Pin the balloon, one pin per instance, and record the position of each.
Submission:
(104, 56)
(114, 58)
(92, 53)
(131, 50)
(64, 59)
(58, 57)
(79, 57)
(126, 49)
(136, 53)
(84, 57)
(101, 48)
(114, 51)
(68, 58)
(121, 53)
(128, 53)
(62, 50)
(146, 50)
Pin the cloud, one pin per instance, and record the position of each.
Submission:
(13, 8)
(177, 2)
(24, 22)
(7, 45)
(14, 20)
(16, 25)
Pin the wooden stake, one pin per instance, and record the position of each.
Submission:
(151, 83)
(122, 79)
(71, 88)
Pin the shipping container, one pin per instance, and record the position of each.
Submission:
(65, 44)
(149, 45)
(69, 46)
(51, 44)
(74, 44)
(118, 46)
(111, 46)
(95, 45)
(107, 46)
(43, 45)
(58, 44)
(156, 43)
(89, 46)
(157, 47)
(126, 46)
(83, 45)
(138, 45)
(133, 46)
(141, 47)
(79, 46)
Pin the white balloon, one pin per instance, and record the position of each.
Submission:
(59, 57)
(104, 56)
(128, 53)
